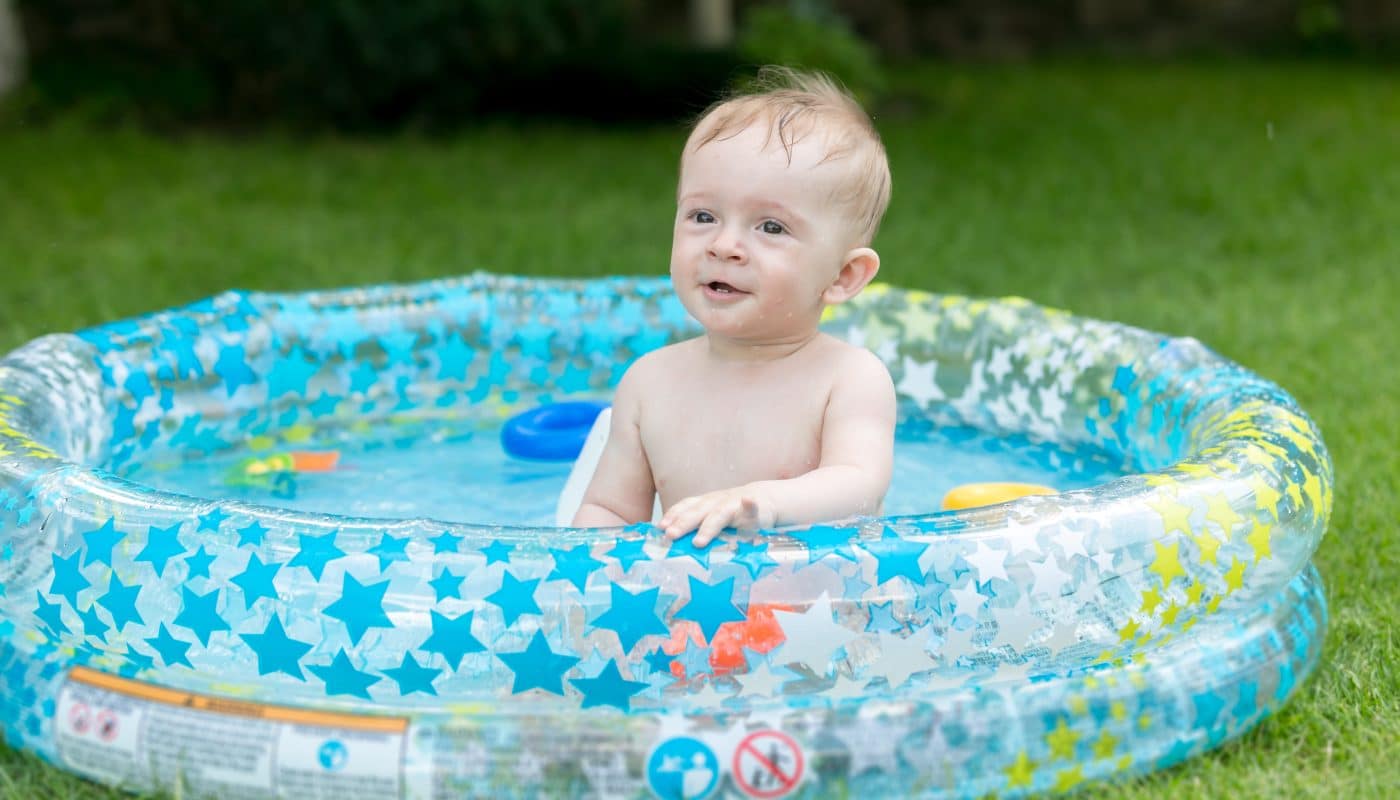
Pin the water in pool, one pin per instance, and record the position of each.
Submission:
(456, 470)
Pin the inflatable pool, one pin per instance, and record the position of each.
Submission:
(269, 640)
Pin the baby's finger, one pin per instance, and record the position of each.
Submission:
(714, 522)
(686, 518)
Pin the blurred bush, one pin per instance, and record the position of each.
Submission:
(810, 35)
(359, 63)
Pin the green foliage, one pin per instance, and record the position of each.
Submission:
(358, 63)
(809, 35)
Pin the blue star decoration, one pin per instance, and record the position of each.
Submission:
(233, 367)
(413, 677)
(251, 535)
(452, 638)
(199, 613)
(445, 542)
(390, 549)
(608, 688)
(100, 541)
(171, 650)
(515, 597)
(574, 565)
(658, 660)
(68, 578)
(628, 552)
(824, 540)
(93, 624)
(446, 585)
(497, 551)
(256, 580)
(162, 544)
(753, 557)
(710, 605)
(276, 651)
(51, 614)
(198, 564)
(212, 520)
(632, 616)
(896, 556)
(316, 552)
(341, 677)
(685, 546)
(120, 602)
(360, 607)
(538, 667)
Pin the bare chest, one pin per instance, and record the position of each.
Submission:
(702, 436)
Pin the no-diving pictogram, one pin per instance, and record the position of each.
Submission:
(768, 764)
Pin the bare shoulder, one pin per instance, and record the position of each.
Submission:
(857, 365)
(649, 370)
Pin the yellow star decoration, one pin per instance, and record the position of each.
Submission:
(1234, 577)
(1067, 779)
(1258, 540)
(1062, 741)
(1193, 593)
(1078, 705)
(1144, 721)
(918, 322)
(1295, 493)
(1266, 497)
(1175, 514)
(1105, 745)
(1255, 453)
(1157, 479)
(1150, 600)
(1129, 631)
(1167, 563)
(1312, 487)
(1125, 762)
(1169, 615)
(1213, 604)
(1207, 544)
(1021, 772)
(1119, 710)
(1196, 470)
(1219, 511)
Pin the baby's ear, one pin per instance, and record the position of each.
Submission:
(859, 269)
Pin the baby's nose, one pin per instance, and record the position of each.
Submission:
(726, 247)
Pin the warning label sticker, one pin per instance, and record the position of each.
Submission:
(146, 736)
(768, 764)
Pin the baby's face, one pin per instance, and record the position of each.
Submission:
(757, 239)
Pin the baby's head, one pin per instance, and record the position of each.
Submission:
(781, 192)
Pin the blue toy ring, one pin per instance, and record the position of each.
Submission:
(551, 432)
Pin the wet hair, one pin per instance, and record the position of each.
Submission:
(795, 104)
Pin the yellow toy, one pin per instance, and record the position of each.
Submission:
(972, 495)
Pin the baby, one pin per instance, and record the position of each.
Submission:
(763, 420)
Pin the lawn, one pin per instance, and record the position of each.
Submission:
(1253, 206)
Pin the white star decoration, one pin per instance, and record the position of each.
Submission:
(759, 681)
(1049, 578)
(966, 599)
(1015, 625)
(900, 658)
(918, 381)
(812, 636)
(988, 562)
(1000, 363)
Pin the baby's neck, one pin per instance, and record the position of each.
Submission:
(742, 351)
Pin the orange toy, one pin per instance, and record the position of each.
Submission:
(759, 632)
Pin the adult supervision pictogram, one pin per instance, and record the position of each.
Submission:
(768, 764)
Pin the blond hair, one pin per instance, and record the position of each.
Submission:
(794, 104)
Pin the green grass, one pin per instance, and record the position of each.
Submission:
(1255, 207)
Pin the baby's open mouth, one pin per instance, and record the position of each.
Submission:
(722, 288)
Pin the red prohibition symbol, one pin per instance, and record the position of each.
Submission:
(768, 764)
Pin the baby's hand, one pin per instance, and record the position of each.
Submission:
(741, 507)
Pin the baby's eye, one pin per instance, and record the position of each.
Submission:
(774, 228)
(702, 217)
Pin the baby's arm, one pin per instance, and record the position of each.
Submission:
(857, 456)
(622, 489)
